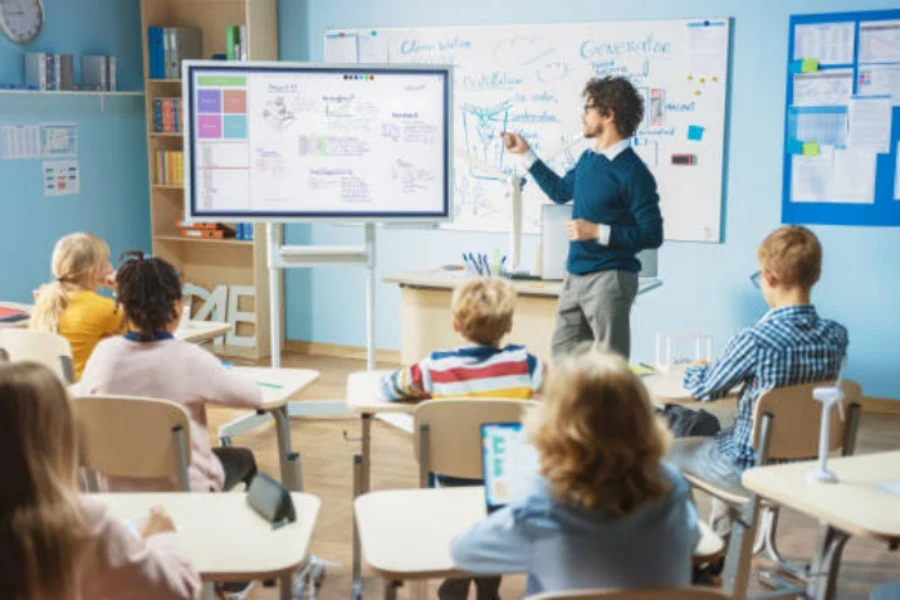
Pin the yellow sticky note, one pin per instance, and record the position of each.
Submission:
(810, 148)
(702, 80)
(696, 92)
(690, 77)
(809, 65)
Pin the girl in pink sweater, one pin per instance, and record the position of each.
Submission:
(56, 544)
(150, 362)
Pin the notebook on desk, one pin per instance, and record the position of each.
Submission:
(509, 463)
(555, 244)
(12, 315)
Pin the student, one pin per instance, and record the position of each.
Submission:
(149, 361)
(56, 544)
(790, 345)
(606, 512)
(482, 313)
(70, 304)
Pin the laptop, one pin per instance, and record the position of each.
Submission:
(555, 244)
(509, 463)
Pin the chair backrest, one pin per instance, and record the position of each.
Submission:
(691, 593)
(49, 349)
(140, 438)
(448, 433)
(797, 417)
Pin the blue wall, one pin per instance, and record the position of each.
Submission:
(111, 146)
(706, 286)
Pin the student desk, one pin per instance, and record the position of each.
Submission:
(278, 387)
(426, 324)
(225, 538)
(856, 505)
(190, 331)
(406, 534)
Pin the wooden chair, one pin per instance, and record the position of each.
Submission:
(49, 349)
(140, 438)
(448, 433)
(691, 593)
(786, 424)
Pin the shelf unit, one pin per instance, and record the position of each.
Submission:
(205, 262)
(102, 95)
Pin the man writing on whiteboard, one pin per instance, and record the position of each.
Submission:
(615, 215)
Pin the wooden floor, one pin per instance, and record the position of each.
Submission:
(327, 456)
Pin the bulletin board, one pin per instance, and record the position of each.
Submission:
(529, 79)
(841, 157)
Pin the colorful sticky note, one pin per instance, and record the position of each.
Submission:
(810, 148)
(794, 147)
(695, 133)
(810, 65)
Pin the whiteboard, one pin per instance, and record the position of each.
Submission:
(297, 142)
(529, 79)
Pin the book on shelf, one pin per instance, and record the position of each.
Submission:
(48, 71)
(168, 46)
(237, 44)
(169, 167)
(98, 73)
(167, 115)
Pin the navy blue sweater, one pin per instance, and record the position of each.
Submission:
(620, 193)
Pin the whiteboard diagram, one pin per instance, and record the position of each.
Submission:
(529, 79)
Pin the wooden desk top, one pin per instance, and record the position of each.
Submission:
(363, 396)
(442, 279)
(225, 538)
(406, 534)
(855, 505)
(278, 385)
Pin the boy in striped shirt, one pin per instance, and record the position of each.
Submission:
(482, 313)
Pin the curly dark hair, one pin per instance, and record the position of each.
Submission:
(616, 94)
(148, 289)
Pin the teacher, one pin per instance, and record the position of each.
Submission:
(615, 215)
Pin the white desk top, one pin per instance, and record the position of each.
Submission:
(443, 279)
(278, 385)
(190, 331)
(855, 505)
(225, 538)
(406, 534)
(363, 395)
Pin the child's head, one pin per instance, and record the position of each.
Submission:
(599, 441)
(42, 528)
(80, 262)
(149, 290)
(790, 260)
(483, 309)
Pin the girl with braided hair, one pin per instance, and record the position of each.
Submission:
(148, 361)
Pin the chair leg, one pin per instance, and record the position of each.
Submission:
(770, 540)
(736, 574)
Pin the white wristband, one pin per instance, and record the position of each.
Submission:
(528, 159)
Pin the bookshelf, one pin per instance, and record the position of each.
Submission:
(208, 262)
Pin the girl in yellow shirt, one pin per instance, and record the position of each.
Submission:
(70, 305)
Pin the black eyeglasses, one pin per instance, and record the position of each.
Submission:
(754, 279)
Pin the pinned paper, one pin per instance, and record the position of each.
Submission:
(804, 65)
(695, 133)
(810, 148)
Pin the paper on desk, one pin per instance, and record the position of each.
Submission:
(853, 177)
(870, 124)
(823, 88)
(811, 176)
(879, 41)
(831, 43)
(891, 487)
(341, 47)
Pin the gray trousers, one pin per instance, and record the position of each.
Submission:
(595, 307)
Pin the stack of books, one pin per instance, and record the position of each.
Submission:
(169, 167)
(168, 46)
(207, 231)
(48, 71)
(167, 115)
